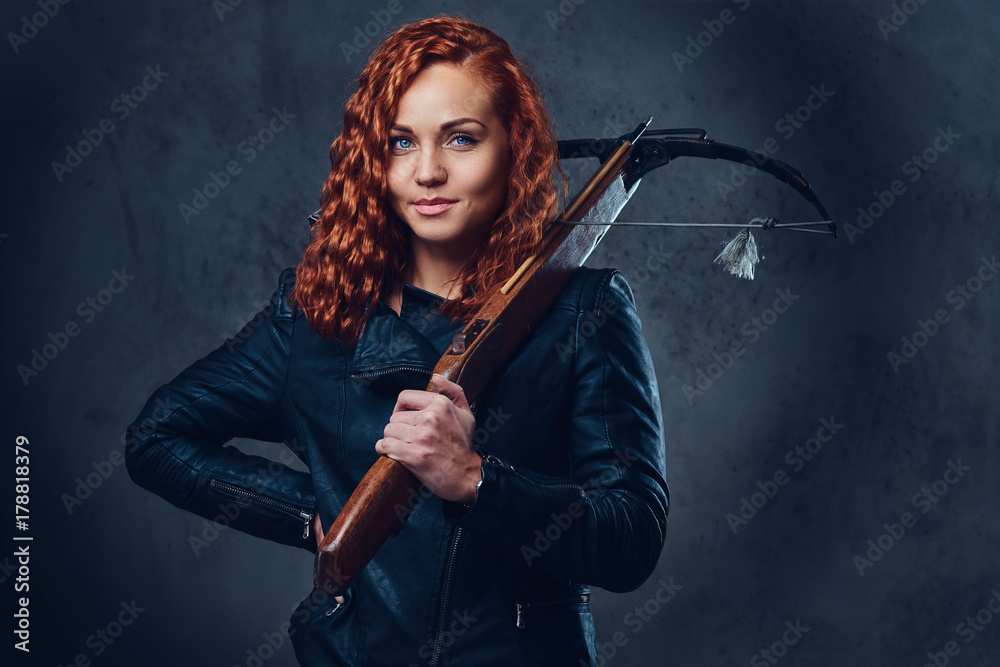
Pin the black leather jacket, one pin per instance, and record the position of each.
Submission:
(573, 490)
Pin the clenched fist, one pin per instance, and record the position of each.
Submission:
(430, 432)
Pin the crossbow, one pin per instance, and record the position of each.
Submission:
(381, 503)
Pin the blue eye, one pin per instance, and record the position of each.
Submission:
(400, 143)
(464, 140)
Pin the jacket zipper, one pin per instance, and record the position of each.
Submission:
(523, 607)
(242, 492)
(368, 375)
(444, 599)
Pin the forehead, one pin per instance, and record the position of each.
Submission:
(444, 92)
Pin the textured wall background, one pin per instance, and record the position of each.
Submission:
(893, 91)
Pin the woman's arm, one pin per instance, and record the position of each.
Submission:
(606, 523)
(176, 445)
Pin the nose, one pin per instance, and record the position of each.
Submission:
(430, 169)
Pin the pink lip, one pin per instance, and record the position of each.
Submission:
(434, 206)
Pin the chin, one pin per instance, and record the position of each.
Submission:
(436, 231)
(439, 239)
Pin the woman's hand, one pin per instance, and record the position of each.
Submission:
(431, 434)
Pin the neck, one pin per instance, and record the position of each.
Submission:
(435, 269)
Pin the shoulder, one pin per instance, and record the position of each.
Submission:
(282, 306)
(596, 291)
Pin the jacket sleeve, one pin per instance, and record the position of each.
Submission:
(605, 524)
(176, 446)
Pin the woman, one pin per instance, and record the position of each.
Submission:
(441, 185)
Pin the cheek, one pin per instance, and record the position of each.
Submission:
(392, 178)
(491, 180)
(395, 182)
(499, 183)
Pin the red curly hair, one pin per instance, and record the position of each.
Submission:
(358, 247)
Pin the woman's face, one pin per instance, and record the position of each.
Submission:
(449, 161)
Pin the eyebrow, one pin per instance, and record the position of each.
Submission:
(446, 126)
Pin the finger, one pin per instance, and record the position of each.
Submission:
(411, 417)
(451, 390)
(432, 417)
(388, 447)
(404, 433)
(413, 399)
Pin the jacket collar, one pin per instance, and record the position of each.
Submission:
(413, 340)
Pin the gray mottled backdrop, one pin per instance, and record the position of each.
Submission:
(831, 426)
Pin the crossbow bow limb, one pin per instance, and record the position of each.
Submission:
(656, 148)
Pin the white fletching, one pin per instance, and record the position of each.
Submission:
(740, 255)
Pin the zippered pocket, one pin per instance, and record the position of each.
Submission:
(247, 496)
(533, 605)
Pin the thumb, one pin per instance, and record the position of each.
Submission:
(446, 387)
